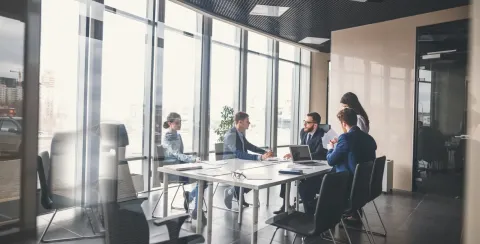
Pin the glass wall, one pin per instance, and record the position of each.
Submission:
(224, 75)
(12, 33)
(122, 63)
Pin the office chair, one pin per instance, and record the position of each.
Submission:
(126, 226)
(376, 181)
(376, 187)
(360, 194)
(328, 213)
(48, 201)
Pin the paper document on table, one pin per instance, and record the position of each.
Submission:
(257, 177)
(184, 167)
(330, 135)
(221, 162)
(275, 159)
(298, 166)
(214, 172)
(125, 189)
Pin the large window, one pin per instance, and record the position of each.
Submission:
(224, 74)
(122, 93)
(286, 78)
(181, 70)
(257, 83)
(122, 70)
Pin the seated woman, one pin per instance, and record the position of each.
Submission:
(173, 145)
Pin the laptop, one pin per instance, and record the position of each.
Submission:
(301, 155)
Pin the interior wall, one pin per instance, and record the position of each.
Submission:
(318, 84)
(377, 63)
(472, 214)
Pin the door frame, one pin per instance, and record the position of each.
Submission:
(416, 99)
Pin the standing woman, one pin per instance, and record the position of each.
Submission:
(173, 144)
(350, 100)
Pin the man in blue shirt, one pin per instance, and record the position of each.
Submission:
(237, 146)
(352, 147)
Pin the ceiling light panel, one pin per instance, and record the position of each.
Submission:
(267, 10)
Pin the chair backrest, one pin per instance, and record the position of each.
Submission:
(158, 162)
(219, 151)
(360, 192)
(46, 200)
(377, 177)
(324, 127)
(64, 167)
(331, 202)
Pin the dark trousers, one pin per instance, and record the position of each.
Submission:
(237, 192)
(308, 189)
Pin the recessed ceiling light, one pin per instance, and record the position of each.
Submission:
(314, 40)
(267, 10)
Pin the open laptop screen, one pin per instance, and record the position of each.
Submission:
(300, 153)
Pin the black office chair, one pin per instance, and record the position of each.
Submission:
(330, 207)
(376, 187)
(53, 202)
(360, 194)
(125, 226)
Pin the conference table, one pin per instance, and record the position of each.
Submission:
(256, 175)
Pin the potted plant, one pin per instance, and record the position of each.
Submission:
(225, 124)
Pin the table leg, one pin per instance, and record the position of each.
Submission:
(240, 205)
(209, 213)
(165, 194)
(287, 200)
(255, 217)
(268, 196)
(200, 206)
(297, 204)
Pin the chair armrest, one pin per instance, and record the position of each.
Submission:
(173, 223)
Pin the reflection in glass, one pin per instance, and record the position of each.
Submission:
(122, 93)
(11, 102)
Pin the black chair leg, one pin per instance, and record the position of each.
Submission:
(174, 196)
(156, 205)
(368, 225)
(42, 240)
(331, 235)
(273, 235)
(346, 231)
(365, 227)
(381, 221)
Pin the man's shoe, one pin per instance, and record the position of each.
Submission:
(186, 200)
(227, 197)
(281, 210)
(245, 204)
(194, 216)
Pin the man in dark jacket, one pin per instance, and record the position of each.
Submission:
(310, 135)
(236, 146)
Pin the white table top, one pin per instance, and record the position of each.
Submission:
(266, 170)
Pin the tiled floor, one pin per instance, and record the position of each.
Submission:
(409, 218)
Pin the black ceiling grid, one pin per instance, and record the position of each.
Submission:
(318, 18)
